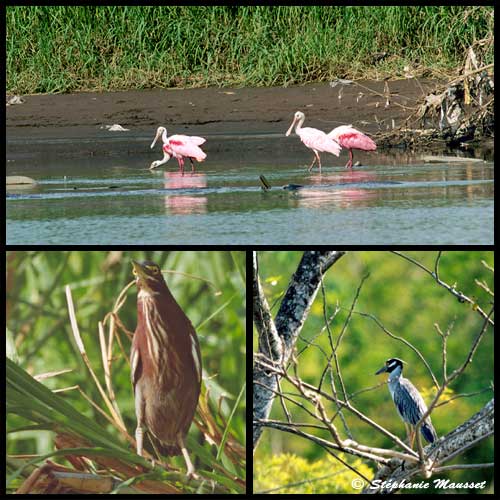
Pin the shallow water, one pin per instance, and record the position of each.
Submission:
(115, 199)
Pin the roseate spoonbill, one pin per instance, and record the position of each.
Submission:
(313, 138)
(350, 138)
(179, 146)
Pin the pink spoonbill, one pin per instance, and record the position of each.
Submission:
(313, 138)
(350, 138)
(180, 147)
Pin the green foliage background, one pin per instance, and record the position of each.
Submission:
(325, 475)
(408, 302)
(39, 337)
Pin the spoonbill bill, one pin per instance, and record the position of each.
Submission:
(313, 138)
(180, 147)
(350, 138)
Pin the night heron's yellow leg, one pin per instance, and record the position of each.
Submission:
(409, 434)
(412, 437)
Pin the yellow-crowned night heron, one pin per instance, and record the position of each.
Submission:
(410, 404)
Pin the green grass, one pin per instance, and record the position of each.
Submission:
(63, 49)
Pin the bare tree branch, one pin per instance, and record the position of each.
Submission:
(401, 339)
(277, 339)
(435, 275)
(476, 429)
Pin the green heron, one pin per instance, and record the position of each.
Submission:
(165, 364)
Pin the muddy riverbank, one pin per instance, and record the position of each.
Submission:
(374, 107)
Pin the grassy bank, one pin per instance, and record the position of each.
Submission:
(62, 49)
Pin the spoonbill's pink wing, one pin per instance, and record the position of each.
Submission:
(198, 141)
(350, 138)
(318, 140)
(186, 148)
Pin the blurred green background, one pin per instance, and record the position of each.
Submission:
(39, 337)
(408, 302)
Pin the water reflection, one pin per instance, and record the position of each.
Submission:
(340, 189)
(182, 204)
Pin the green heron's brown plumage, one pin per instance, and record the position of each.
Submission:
(166, 364)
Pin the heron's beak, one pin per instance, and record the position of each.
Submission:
(158, 133)
(139, 271)
(289, 131)
(141, 277)
(383, 369)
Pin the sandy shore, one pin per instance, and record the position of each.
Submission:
(214, 110)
